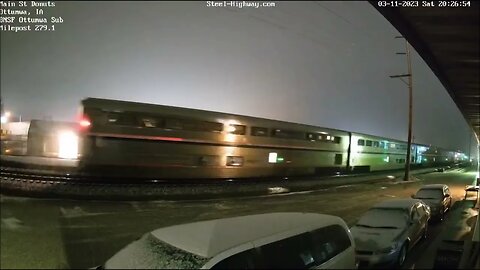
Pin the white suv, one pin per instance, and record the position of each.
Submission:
(275, 240)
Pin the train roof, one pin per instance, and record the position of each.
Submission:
(147, 107)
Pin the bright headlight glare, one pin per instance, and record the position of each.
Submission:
(67, 145)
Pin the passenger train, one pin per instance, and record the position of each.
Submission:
(130, 139)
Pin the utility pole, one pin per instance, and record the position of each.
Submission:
(410, 106)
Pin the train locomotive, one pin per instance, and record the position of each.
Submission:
(130, 139)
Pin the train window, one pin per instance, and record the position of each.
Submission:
(361, 142)
(112, 117)
(311, 137)
(237, 129)
(193, 125)
(124, 119)
(151, 122)
(259, 131)
(288, 134)
(382, 144)
(209, 160)
(368, 143)
(234, 161)
(392, 145)
(337, 139)
(375, 144)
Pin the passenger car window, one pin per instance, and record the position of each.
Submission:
(237, 129)
(290, 253)
(242, 260)
(328, 242)
(361, 142)
(259, 131)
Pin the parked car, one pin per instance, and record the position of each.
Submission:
(438, 197)
(275, 240)
(388, 230)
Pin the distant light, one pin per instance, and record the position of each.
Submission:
(67, 145)
(272, 157)
(8, 114)
(274, 190)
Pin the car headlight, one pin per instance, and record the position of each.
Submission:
(388, 250)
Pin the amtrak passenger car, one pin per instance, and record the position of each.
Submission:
(146, 140)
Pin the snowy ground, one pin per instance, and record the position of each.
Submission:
(44, 233)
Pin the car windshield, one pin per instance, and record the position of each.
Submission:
(429, 194)
(386, 218)
(150, 253)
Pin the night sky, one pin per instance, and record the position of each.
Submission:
(318, 63)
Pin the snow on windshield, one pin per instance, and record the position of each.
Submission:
(385, 217)
(151, 253)
(429, 193)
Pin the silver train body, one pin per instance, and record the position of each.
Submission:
(130, 139)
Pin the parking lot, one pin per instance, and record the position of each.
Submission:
(48, 233)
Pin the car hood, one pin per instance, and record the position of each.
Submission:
(372, 239)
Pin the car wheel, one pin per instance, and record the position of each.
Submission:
(402, 255)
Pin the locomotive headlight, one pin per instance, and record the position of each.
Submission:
(67, 145)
